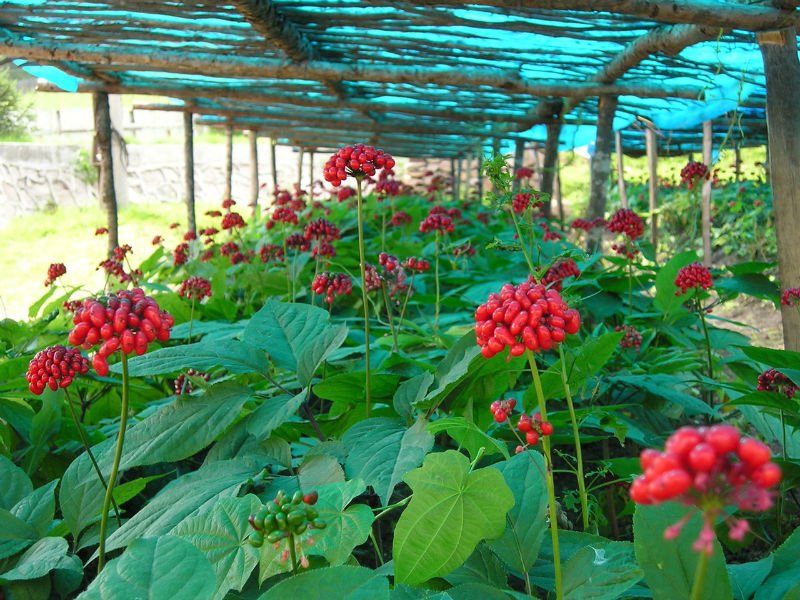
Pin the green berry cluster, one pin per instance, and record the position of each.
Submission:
(283, 518)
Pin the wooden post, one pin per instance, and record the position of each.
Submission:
(253, 136)
(274, 165)
(300, 169)
(652, 164)
(495, 152)
(467, 175)
(227, 192)
(782, 70)
(188, 176)
(459, 175)
(623, 192)
(519, 161)
(453, 179)
(310, 171)
(557, 192)
(601, 167)
(479, 160)
(737, 162)
(549, 163)
(708, 142)
(108, 198)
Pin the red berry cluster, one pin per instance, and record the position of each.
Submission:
(345, 193)
(502, 408)
(693, 172)
(549, 234)
(773, 380)
(464, 250)
(229, 249)
(54, 271)
(483, 217)
(419, 265)
(271, 253)
(372, 279)
(174, 225)
(282, 197)
(206, 256)
(228, 202)
(387, 186)
(127, 321)
(284, 214)
(182, 383)
(533, 427)
(232, 220)
(101, 231)
(55, 367)
(156, 241)
(332, 284)
(558, 272)
(321, 229)
(213, 213)
(693, 276)
(631, 338)
(586, 225)
(210, 231)
(791, 297)
(523, 173)
(524, 316)
(520, 202)
(189, 236)
(626, 222)
(437, 222)
(628, 249)
(323, 248)
(400, 218)
(181, 254)
(356, 161)
(195, 288)
(708, 468)
(298, 242)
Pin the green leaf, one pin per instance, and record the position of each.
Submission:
(785, 576)
(194, 492)
(482, 566)
(348, 388)
(468, 435)
(519, 545)
(319, 469)
(410, 392)
(602, 572)
(16, 484)
(340, 582)
(746, 578)
(452, 509)
(80, 495)
(221, 535)
(669, 565)
(382, 451)
(38, 508)
(235, 356)
(164, 568)
(44, 424)
(298, 337)
(46, 555)
(455, 366)
(752, 284)
(666, 300)
(15, 534)
(347, 526)
(273, 413)
(480, 591)
(666, 387)
(17, 413)
(771, 357)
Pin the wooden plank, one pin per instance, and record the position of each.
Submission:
(265, 18)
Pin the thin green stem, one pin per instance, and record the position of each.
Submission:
(710, 398)
(551, 490)
(112, 479)
(390, 317)
(293, 553)
(577, 439)
(630, 286)
(528, 258)
(392, 507)
(436, 276)
(191, 321)
(375, 546)
(87, 447)
(365, 302)
(700, 576)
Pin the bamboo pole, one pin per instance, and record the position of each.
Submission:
(273, 165)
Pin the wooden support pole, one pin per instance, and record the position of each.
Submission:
(299, 182)
(708, 143)
(782, 70)
(479, 160)
(601, 167)
(652, 168)
(557, 192)
(108, 197)
(188, 175)
(737, 162)
(453, 179)
(549, 163)
(253, 137)
(310, 170)
(459, 175)
(623, 192)
(467, 176)
(273, 165)
(519, 161)
(228, 190)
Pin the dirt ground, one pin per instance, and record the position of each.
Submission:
(761, 320)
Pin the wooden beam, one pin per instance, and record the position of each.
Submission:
(188, 159)
(623, 192)
(267, 20)
(652, 169)
(782, 71)
(754, 16)
(708, 145)
(601, 167)
(173, 61)
(108, 197)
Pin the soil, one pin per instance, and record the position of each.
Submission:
(760, 320)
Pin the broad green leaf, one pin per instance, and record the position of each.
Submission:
(482, 566)
(38, 508)
(669, 565)
(194, 492)
(163, 568)
(46, 555)
(319, 469)
(526, 525)
(347, 526)
(298, 337)
(17, 413)
(784, 577)
(44, 424)
(452, 509)
(772, 357)
(382, 451)
(340, 582)
(410, 392)
(468, 435)
(235, 356)
(602, 572)
(16, 484)
(221, 535)
(746, 578)
(481, 591)
(15, 534)
(272, 413)
(455, 366)
(667, 388)
(666, 300)
(406, 592)
(348, 388)
(753, 284)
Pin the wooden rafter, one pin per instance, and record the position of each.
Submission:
(267, 20)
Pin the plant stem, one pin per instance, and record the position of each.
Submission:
(376, 547)
(390, 318)
(87, 447)
(123, 420)
(577, 438)
(436, 276)
(293, 553)
(700, 576)
(551, 490)
(710, 397)
(365, 302)
(191, 321)
(528, 258)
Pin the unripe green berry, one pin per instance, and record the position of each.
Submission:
(256, 539)
(274, 537)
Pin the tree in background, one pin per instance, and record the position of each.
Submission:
(15, 119)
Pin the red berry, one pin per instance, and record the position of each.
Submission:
(703, 458)
(547, 428)
(683, 441)
(311, 498)
(670, 484)
(723, 438)
(640, 491)
(767, 475)
(753, 452)
(532, 438)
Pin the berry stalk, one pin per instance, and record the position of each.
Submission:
(700, 576)
(438, 293)
(577, 438)
(551, 490)
(362, 265)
